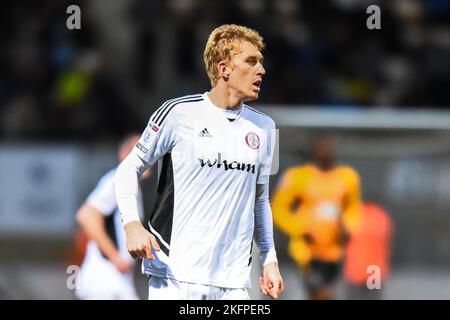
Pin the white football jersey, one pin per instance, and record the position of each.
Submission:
(204, 214)
(99, 278)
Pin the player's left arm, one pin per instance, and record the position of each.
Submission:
(271, 282)
(352, 210)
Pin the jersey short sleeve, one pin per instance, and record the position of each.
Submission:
(159, 136)
(268, 151)
(103, 197)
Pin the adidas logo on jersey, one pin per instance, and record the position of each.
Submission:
(204, 133)
(227, 165)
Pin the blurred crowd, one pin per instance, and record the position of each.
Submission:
(129, 56)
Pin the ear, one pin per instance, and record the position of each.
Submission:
(224, 70)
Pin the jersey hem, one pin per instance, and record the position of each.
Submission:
(246, 285)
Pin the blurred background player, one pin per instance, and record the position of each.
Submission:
(317, 206)
(107, 268)
(367, 258)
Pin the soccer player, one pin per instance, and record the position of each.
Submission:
(106, 271)
(213, 197)
(318, 206)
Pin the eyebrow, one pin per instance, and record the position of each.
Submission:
(256, 56)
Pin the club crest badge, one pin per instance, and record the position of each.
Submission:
(252, 140)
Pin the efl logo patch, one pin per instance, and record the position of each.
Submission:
(252, 140)
(155, 128)
(141, 147)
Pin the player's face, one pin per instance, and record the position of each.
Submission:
(324, 152)
(247, 71)
(127, 147)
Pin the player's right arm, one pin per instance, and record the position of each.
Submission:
(92, 221)
(91, 217)
(286, 195)
(157, 139)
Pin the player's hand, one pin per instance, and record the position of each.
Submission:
(270, 282)
(121, 264)
(308, 238)
(139, 241)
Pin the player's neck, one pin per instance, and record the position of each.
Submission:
(224, 97)
(325, 167)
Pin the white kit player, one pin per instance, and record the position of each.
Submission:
(213, 190)
(106, 271)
